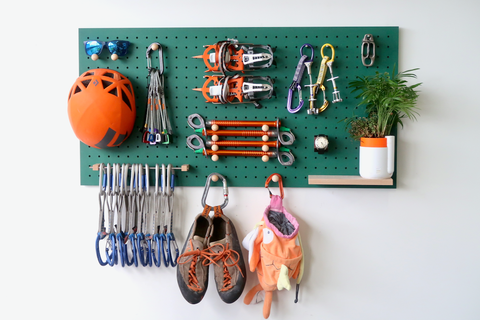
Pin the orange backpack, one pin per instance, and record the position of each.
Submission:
(275, 251)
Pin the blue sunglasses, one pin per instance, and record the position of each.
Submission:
(117, 48)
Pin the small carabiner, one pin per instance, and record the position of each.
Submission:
(280, 183)
(368, 43)
(332, 58)
(207, 187)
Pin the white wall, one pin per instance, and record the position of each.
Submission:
(410, 253)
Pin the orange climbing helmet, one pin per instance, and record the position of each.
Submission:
(101, 108)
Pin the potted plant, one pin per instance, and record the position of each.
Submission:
(387, 99)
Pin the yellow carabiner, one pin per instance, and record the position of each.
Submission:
(333, 51)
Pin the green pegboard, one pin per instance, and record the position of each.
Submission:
(182, 74)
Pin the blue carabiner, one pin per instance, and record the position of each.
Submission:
(100, 236)
(143, 254)
(157, 253)
(111, 257)
(131, 237)
(172, 242)
(164, 248)
(129, 262)
(297, 79)
(150, 250)
(121, 248)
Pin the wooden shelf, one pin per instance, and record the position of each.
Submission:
(347, 180)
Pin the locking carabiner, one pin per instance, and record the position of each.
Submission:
(207, 187)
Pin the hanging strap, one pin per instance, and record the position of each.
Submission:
(217, 211)
(206, 210)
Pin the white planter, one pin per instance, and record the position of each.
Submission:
(377, 157)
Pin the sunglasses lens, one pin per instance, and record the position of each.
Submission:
(118, 47)
(93, 47)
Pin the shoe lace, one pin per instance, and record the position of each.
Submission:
(224, 255)
(193, 255)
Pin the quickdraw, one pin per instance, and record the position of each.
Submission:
(232, 56)
(297, 78)
(157, 128)
(237, 89)
(129, 223)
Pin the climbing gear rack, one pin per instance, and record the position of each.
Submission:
(182, 73)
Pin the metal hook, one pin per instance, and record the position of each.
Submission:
(368, 43)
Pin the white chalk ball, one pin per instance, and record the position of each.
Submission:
(114, 56)
(265, 158)
(94, 57)
(214, 137)
(154, 47)
(215, 127)
(265, 138)
(215, 158)
(265, 127)
(265, 148)
(214, 178)
(275, 178)
(214, 147)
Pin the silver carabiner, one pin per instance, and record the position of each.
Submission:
(207, 187)
(154, 47)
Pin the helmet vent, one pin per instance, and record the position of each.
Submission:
(77, 90)
(108, 74)
(106, 83)
(126, 100)
(114, 92)
(129, 87)
(86, 82)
